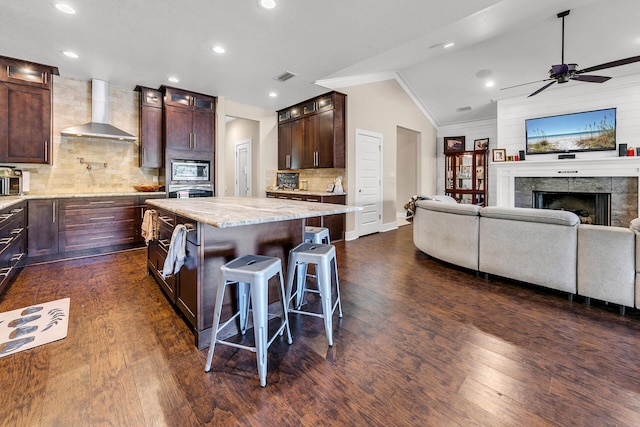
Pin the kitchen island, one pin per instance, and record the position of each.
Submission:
(221, 229)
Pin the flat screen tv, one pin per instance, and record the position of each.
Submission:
(586, 131)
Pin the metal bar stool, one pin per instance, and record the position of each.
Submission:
(252, 274)
(324, 258)
(316, 235)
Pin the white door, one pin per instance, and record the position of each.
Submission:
(368, 182)
(243, 168)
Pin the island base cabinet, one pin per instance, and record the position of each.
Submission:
(221, 245)
(13, 230)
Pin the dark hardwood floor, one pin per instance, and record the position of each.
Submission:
(420, 344)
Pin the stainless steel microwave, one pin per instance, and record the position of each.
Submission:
(190, 170)
(10, 186)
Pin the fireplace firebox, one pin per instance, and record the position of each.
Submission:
(591, 208)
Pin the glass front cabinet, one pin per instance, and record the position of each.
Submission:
(466, 176)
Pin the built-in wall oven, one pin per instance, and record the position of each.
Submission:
(190, 178)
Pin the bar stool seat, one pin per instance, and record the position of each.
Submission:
(252, 274)
(316, 235)
(324, 258)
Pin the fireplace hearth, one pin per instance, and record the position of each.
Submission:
(591, 208)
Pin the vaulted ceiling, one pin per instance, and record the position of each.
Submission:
(327, 43)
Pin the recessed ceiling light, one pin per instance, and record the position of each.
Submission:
(490, 83)
(173, 79)
(273, 94)
(448, 45)
(65, 8)
(268, 4)
(70, 54)
(218, 49)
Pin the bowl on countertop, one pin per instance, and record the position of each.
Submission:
(148, 188)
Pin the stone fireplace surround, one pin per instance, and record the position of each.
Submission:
(616, 175)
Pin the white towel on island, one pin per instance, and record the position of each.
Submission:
(177, 251)
(149, 225)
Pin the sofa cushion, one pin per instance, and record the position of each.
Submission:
(455, 208)
(635, 225)
(547, 216)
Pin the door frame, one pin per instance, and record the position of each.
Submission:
(238, 145)
(379, 204)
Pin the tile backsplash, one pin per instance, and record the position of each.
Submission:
(317, 179)
(72, 106)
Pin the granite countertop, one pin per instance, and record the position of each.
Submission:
(6, 201)
(225, 212)
(307, 193)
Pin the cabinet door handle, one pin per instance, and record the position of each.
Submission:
(104, 202)
(53, 212)
(287, 163)
(101, 238)
(195, 141)
(46, 151)
(98, 218)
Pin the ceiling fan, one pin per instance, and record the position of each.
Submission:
(562, 73)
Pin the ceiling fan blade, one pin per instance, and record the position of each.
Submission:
(611, 64)
(525, 84)
(591, 78)
(541, 89)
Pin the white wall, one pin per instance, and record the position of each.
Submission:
(264, 151)
(382, 107)
(623, 93)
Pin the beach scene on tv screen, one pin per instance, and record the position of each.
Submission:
(591, 130)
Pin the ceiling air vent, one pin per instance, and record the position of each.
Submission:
(285, 76)
(465, 108)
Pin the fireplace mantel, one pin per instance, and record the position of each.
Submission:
(506, 172)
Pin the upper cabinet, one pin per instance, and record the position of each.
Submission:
(312, 134)
(189, 120)
(151, 153)
(25, 111)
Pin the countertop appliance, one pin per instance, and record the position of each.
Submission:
(11, 182)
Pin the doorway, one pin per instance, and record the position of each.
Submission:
(243, 169)
(368, 182)
(406, 170)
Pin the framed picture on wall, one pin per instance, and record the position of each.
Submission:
(453, 144)
(499, 154)
(481, 144)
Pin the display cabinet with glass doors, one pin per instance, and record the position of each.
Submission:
(466, 176)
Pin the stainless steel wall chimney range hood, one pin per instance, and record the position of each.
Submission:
(99, 126)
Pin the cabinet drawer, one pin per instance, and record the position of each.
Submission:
(73, 240)
(155, 260)
(11, 224)
(91, 218)
(97, 202)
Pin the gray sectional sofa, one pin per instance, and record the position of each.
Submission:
(544, 247)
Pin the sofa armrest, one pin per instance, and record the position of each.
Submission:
(607, 263)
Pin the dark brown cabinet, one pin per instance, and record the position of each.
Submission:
(189, 121)
(151, 149)
(335, 223)
(290, 145)
(43, 227)
(313, 133)
(25, 111)
(64, 227)
(181, 288)
(95, 222)
(13, 231)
